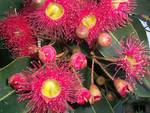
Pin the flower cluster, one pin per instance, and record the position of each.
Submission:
(56, 83)
(71, 20)
(52, 86)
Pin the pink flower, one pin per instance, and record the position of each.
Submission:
(54, 18)
(78, 61)
(134, 58)
(83, 96)
(47, 54)
(50, 89)
(18, 36)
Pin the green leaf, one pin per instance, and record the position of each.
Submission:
(14, 67)
(140, 29)
(10, 105)
(8, 100)
(143, 90)
(143, 7)
(101, 107)
(119, 107)
(8, 5)
(5, 54)
(125, 31)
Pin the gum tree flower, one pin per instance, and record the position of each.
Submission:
(18, 36)
(134, 58)
(49, 89)
(54, 18)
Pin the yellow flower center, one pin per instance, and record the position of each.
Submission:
(116, 3)
(50, 88)
(132, 61)
(89, 21)
(54, 11)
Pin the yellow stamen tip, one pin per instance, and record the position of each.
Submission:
(54, 11)
(132, 61)
(50, 88)
(89, 21)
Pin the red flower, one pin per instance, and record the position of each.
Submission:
(54, 17)
(134, 58)
(50, 89)
(18, 36)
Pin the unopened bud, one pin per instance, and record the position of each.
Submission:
(78, 61)
(95, 94)
(47, 54)
(15, 80)
(82, 32)
(123, 87)
(100, 80)
(104, 39)
(110, 96)
(83, 96)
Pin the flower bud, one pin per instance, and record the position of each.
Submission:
(104, 39)
(47, 54)
(78, 61)
(100, 80)
(83, 96)
(95, 94)
(110, 96)
(82, 32)
(37, 3)
(15, 79)
(123, 87)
